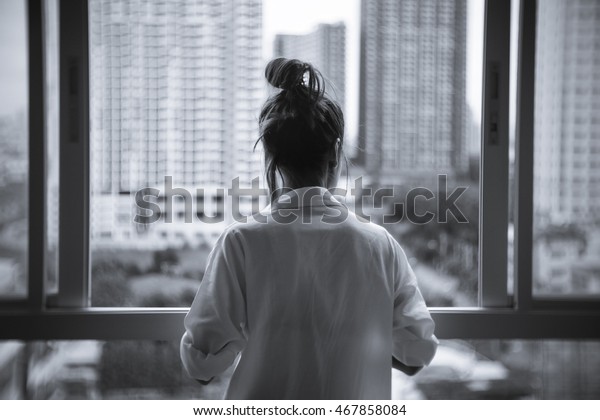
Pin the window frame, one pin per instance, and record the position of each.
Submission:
(494, 163)
(74, 289)
(68, 315)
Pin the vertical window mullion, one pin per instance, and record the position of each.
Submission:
(37, 157)
(73, 270)
(524, 155)
(493, 240)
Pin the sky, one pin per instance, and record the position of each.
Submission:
(279, 16)
(13, 59)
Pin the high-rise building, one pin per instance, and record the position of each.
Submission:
(176, 87)
(324, 47)
(567, 112)
(412, 111)
(567, 148)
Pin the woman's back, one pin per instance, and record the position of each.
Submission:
(318, 287)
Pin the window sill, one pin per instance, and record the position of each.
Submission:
(167, 324)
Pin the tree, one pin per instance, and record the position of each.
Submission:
(109, 284)
(165, 260)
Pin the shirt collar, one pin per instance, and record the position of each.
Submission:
(314, 196)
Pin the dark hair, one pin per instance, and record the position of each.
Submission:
(299, 126)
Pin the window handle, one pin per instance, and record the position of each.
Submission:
(493, 105)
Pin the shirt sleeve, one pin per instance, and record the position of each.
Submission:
(215, 324)
(414, 342)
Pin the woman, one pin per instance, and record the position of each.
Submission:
(318, 302)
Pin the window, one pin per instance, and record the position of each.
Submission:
(419, 119)
(188, 148)
(434, 132)
(121, 129)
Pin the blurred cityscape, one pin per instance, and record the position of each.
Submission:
(176, 87)
(173, 96)
(567, 148)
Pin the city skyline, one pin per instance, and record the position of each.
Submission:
(175, 90)
(279, 16)
(283, 17)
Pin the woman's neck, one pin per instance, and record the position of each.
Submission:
(294, 183)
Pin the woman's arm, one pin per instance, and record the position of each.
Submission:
(214, 326)
(414, 342)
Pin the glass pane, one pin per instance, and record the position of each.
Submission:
(83, 369)
(506, 369)
(174, 104)
(13, 149)
(176, 87)
(512, 107)
(474, 369)
(52, 134)
(418, 134)
(567, 149)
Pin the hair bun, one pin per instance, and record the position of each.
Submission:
(300, 125)
(285, 73)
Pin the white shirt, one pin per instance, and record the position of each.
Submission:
(317, 306)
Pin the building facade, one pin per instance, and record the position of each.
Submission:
(176, 87)
(567, 112)
(412, 110)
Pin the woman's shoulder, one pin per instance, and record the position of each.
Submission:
(242, 228)
(366, 226)
(377, 231)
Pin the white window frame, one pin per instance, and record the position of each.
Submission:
(68, 315)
